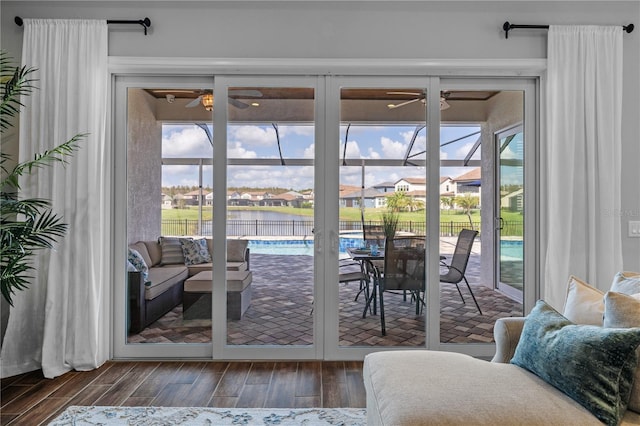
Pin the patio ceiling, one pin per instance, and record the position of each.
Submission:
(294, 105)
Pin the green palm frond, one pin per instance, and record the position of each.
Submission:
(16, 82)
(58, 154)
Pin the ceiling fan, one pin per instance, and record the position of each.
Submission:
(205, 97)
(421, 98)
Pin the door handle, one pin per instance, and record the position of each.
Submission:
(501, 223)
(317, 242)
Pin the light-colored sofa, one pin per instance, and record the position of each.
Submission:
(164, 290)
(577, 367)
(420, 387)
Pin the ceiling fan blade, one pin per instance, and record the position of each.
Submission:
(236, 103)
(404, 103)
(247, 93)
(176, 91)
(194, 103)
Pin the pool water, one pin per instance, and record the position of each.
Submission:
(296, 247)
(284, 247)
(511, 250)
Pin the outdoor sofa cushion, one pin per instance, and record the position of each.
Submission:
(163, 278)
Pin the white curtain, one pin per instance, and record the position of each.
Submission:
(581, 157)
(61, 322)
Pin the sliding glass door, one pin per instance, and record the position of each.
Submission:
(280, 195)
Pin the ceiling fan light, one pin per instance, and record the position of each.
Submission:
(444, 104)
(207, 101)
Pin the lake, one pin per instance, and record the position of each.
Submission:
(264, 215)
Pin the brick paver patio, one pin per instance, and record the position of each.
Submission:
(280, 312)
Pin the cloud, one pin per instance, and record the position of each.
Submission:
(309, 152)
(236, 150)
(185, 141)
(253, 135)
(392, 149)
(462, 151)
(296, 131)
(353, 150)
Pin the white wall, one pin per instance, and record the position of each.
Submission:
(392, 29)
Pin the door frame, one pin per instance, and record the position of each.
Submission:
(200, 69)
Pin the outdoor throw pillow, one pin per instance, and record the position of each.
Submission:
(584, 304)
(171, 251)
(626, 282)
(592, 365)
(135, 259)
(195, 252)
(236, 250)
(623, 311)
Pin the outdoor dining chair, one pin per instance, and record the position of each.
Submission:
(458, 266)
(403, 272)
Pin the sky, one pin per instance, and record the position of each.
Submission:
(253, 141)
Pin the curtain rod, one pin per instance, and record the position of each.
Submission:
(508, 27)
(146, 22)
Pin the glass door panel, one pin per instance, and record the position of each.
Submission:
(270, 209)
(510, 266)
(469, 301)
(382, 192)
(169, 151)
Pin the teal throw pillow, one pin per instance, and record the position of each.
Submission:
(592, 365)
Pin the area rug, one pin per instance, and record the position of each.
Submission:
(166, 416)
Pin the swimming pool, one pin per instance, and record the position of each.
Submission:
(511, 250)
(297, 247)
(284, 247)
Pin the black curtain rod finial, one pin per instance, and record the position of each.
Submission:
(18, 21)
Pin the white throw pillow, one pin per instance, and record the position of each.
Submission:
(584, 304)
(626, 283)
(623, 311)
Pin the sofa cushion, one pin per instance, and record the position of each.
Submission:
(592, 365)
(163, 278)
(171, 251)
(584, 304)
(231, 266)
(141, 248)
(155, 252)
(236, 250)
(417, 387)
(621, 310)
(137, 261)
(195, 251)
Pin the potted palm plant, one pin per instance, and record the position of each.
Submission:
(27, 224)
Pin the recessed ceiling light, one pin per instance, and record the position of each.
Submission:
(255, 104)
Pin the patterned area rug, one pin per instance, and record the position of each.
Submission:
(157, 416)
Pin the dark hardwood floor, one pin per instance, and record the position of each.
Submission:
(30, 399)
